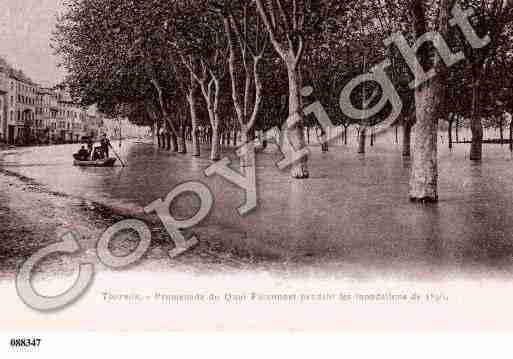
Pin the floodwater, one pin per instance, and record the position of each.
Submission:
(353, 214)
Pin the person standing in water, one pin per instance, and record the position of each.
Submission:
(105, 144)
(90, 145)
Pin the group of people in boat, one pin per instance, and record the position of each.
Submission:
(92, 153)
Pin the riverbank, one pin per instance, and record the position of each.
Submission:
(33, 217)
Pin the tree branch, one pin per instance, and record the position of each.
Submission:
(270, 29)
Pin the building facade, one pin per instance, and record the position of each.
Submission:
(32, 114)
(46, 115)
(4, 98)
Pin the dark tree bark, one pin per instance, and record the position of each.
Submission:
(476, 126)
(294, 137)
(228, 138)
(183, 144)
(174, 142)
(191, 99)
(361, 140)
(159, 139)
(457, 129)
(511, 135)
(501, 130)
(449, 133)
(428, 99)
(407, 125)
(324, 144)
(424, 178)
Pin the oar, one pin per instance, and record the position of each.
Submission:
(119, 158)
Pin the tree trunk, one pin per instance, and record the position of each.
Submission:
(424, 171)
(212, 101)
(169, 124)
(183, 143)
(293, 139)
(476, 126)
(191, 98)
(345, 134)
(235, 138)
(501, 131)
(322, 138)
(511, 135)
(449, 133)
(407, 125)
(457, 129)
(215, 151)
(167, 141)
(324, 141)
(396, 135)
(428, 100)
(361, 140)
(372, 139)
(174, 142)
(195, 141)
(159, 140)
(247, 159)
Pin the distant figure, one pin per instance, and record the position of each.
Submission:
(90, 144)
(105, 144)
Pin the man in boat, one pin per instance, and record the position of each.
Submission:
(105, 144)
(97, 154)
(82, 155)
(90, 145)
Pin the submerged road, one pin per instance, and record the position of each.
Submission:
(352, 217)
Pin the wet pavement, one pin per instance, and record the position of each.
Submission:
(351, 218)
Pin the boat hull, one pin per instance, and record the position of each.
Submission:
(109, 162)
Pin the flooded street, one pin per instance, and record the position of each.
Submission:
(351, 218)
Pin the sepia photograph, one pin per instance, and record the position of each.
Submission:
(256, 165)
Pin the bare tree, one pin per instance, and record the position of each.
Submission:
(204, 57)
(284, 23)
(246, 45)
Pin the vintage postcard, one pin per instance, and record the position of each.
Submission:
(256, 165)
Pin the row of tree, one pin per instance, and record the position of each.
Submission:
(242, 66)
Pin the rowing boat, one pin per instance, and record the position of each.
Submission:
(108, 162)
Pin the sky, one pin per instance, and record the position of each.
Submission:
(25, 32)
